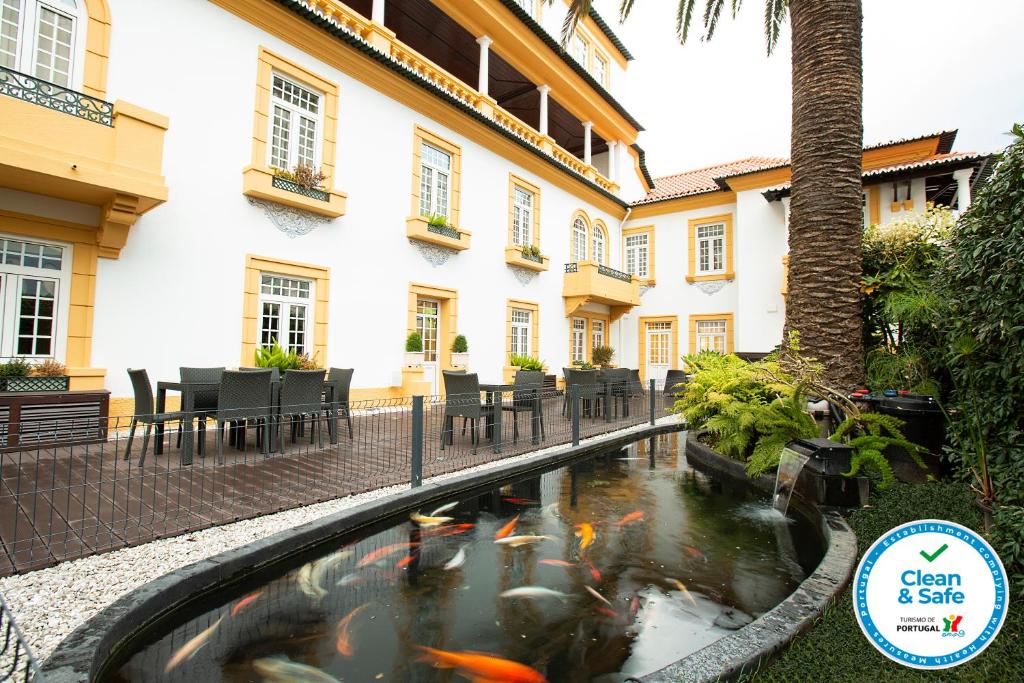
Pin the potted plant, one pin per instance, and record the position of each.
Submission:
(521, 362)
(531, 252)
(460, 352)
(583, 365)
(414, 349)
(307, 180)
(274, 356)
(602, 356)
(18, 374)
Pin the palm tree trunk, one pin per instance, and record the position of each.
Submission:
(826, 219)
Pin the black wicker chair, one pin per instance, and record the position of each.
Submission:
(275, 373)
(674, 379)
(144, 407)
(341, 378)
(244, 396)
(619, 379)
(302, 394)
(585, 382)
(526, 399)
(462, 399)
(204, 401)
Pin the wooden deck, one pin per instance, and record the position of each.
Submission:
(63, 503)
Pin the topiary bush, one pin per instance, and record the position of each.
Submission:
(460, 345)
(414, 343)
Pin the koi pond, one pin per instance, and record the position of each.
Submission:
(611, 567)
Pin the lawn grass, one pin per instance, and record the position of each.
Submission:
(836, 649)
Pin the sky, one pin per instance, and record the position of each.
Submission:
(929, 65)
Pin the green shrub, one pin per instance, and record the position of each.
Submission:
(602, 355)
(414, 343)
(460, 345)
(1008, 540)
(525, 362)
(274, 356)
(531, 250)
(583, 365)
(437, 220)
(15, 367)
(870, 434)
(49, 368)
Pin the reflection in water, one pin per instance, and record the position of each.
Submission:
(633, 561)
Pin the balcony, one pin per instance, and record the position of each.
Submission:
(65, 144)
(587, 282)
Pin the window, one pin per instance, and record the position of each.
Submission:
(578, 340)
(711, 335)
(597, 251)
(520, 339)
(436, 170)
(596, 333)
(41, 38)
(711, 248)
(579, 239)
(34, 281)
(578, 48)
(637, 255)
(522, 216)
(286, 312)
(600, 68)
(296, 116)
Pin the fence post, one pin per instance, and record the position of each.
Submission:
(417, 441)
(574, 407)
(652, 400)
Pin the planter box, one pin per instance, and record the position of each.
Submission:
(32, 383)
(460, 359)
(456, 239)
(414, 358)
(514, 257)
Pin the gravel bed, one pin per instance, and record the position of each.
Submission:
(50, 603)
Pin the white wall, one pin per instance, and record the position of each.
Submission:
(761, 242)
(175, 295)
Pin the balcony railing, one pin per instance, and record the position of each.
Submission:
(601, 270)
(52, 96)
(572, 267)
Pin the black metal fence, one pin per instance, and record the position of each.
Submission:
(66, 497)
(16, 660)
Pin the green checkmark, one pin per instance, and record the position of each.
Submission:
(931, 558)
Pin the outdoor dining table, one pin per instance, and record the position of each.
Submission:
(493, 394)
(188, 391)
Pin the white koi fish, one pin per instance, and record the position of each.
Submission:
(189, 649)
(444, 508)
(458, 560)
(426, 522)
(534, 592)
(280, 669)
(516, 541)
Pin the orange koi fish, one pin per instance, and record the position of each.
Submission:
(637, 516)
(598, 595)
(456, 529)
(189, 649)
(343, 632)
(404, 562)
(521, 501)
(481, 667)
(381, 553)
(586, 535)
(682, 589)
(557, 563)
(594, 574)
(244, 602)
(507, 529)
(693, 552)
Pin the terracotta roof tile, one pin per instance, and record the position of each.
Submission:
(702, 180)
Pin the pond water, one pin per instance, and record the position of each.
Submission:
(642, 560)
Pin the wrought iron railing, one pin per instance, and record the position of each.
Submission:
(446, 230)
(16, 660)
(611, 272)
(572, 267)
(291, 186)
(56, 97)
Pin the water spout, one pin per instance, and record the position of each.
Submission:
(790, 464)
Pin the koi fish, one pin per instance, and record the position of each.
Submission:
(244, 602)
(280, 669)
(534, 592)
(557, 563)
(682, 589)
(444, 508)
(342, 632)
(348, 580)
(634, 607)
(189, 649)
(481, 667)
(598, 595)
(425, 521)
(404, 562)
(606, 612)
(507, 529)
(446, 530)
(521, 501)
(311, 577)
(585, 532)
(381, 553)
(458, 560)
(637, 516)
(693, 552)
(516, 541)
(594, 574)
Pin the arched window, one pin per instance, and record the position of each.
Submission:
(598, 252)
(44, 39)
(579, 239)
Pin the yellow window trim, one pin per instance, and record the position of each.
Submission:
(729, 329)
(515, 181)
(642, 336)
(599, 225)
(534, 308)
(640, 230)
(730, 272)
(448, 317)
(82, 294)
(422, 135)
(588, 339)
(320, 275)
(97, 48)
(874, 204)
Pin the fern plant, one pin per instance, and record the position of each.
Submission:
(870, 434)
(274, 356)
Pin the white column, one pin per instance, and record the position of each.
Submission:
(587, 126)
(613, 161)
(377, 13)
(485, 53)
(963, 188)
(543, 90)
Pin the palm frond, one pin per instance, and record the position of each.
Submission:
(625, 7)
(577, 10)
(712, 11)
(683, 16)
(736, 7)
(774, 15)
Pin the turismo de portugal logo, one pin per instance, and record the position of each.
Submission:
(930, 594)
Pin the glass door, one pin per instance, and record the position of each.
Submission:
(659, 350)
(428, 325)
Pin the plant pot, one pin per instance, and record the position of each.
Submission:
(414, 358)
(35, 383)
(460, 360)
